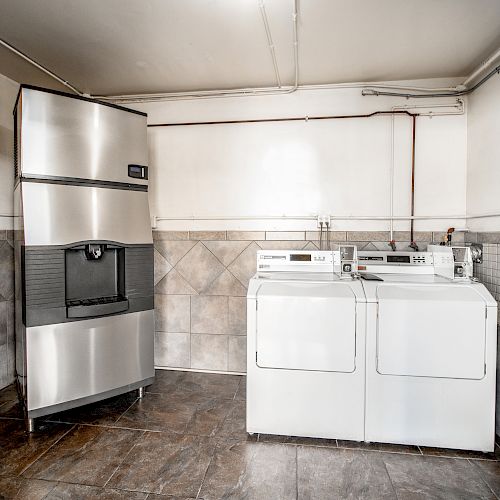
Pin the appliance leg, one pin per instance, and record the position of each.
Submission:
(30, 423)
(140, 392)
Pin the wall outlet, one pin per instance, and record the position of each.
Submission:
(324, 219)
(153, 222)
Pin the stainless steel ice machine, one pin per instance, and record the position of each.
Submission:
(83, 251)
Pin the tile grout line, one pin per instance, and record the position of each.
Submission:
(47, 450)
(124, 458)
(475, 468)
(390, 479)
(132, 404)
(297, 472)
(206, 470)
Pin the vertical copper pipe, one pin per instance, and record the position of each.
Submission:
(412, 236)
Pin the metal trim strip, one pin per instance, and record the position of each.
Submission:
(76, 181)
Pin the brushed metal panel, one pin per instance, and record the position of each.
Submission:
(56, 214)
(75, 360)
(67, 137)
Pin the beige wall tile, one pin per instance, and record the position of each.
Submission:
(172, 313)
(170, 235)
(237, 354)
(226, 284)
(368, 235)
(488, 237)
(334, 235)
(172, 349)
(237, 312)
(311, 246)
(161, 266)
(207, 235)
(199, 267)
(417, 235)
(174, 284)
(285, 235)
(245, 266)
(209, 314)
(209, 352)
(246, 235)
(282, 245)
(226, 251)
(173, 251)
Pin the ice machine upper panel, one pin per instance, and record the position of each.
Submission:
(65, 136)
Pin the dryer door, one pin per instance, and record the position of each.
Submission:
(306, 326)
(431, 331)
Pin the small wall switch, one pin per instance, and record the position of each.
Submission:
(324, 219)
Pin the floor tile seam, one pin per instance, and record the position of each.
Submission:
(482, 478)
(390, 480)
(132, 404)
(296, 473)
(11, 418)
(206, 470)
(72, 426)
(124, 458)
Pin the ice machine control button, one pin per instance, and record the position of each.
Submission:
(138, 171)
(347, 268)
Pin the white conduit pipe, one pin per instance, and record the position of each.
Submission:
(482, 67)
(40, 67)
(270, 41)
(332, 217)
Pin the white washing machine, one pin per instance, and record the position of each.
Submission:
(305, 345)
(430, 350)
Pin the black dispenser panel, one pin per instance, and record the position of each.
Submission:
(84, 281)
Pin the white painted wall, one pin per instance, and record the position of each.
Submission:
(483, 175)
(339, 167)
(8, 94)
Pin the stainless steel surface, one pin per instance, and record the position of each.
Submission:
(56, 214)
(75, 360)
(66, 137)
(30, 424)
(68, 405)
(140, 392)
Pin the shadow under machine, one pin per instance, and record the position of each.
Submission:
(83, 251)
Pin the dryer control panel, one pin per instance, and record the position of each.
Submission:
(311, 261)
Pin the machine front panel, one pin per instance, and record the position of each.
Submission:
(70, 137)
(69, 361)
(431, 331)
(306, 326)
(56, 214)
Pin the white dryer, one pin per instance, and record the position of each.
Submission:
(430, 350)
(305, 345)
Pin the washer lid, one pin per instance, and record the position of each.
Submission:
(431, 331)
(306, 326)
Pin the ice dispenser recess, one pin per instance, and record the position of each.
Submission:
(95, 281)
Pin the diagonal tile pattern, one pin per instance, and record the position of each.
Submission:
(201, 285)
(199, 267)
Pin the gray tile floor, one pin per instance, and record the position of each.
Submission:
(187, 439)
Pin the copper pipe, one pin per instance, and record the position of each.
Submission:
(291, 119)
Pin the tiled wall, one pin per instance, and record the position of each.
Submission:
(488, 272)
(7, 354)
(201, 280)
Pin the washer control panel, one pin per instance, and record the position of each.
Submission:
(313, 261)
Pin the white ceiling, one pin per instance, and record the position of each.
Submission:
(137, 46)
